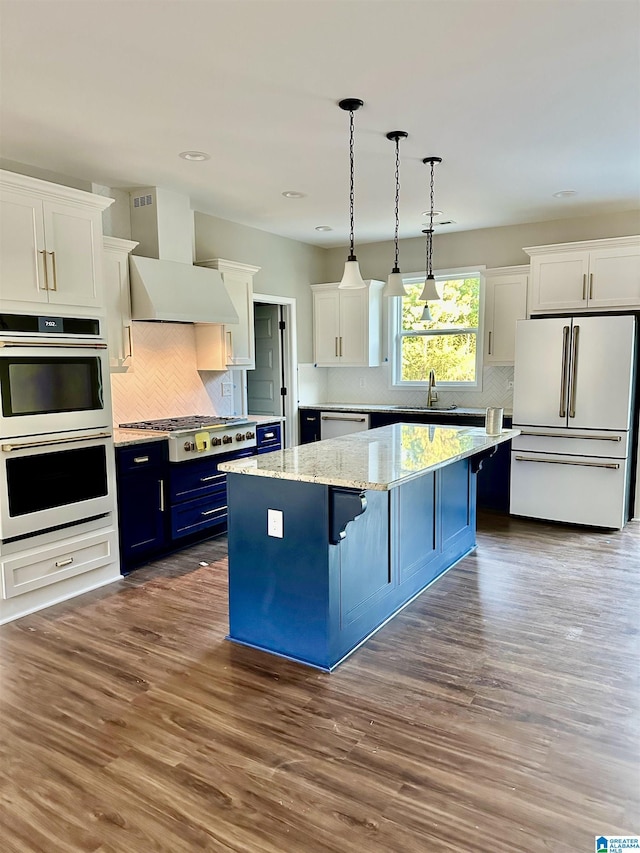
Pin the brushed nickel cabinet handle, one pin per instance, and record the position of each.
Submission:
(584, 285)
(46, 271)
(489, 343)
(130, 354)
(209, 479)
(161, 485)
(140, 459)
(574, 371)
(269, 435)
(340, 346)
(62, 563)
(562, 412)
(229, 347)
(590, 285)
(613, 465)
(572, 435)
(335, 418)
(336, 347)
(213, 511)
(55, 274)
(28, 445)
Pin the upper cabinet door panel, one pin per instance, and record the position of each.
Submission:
(354, 334)
(559, 282)
(74, 254)
(22, 259)
(614, 277)
(505, 304)
(326, 327)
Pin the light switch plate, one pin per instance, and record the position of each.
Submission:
(275, 523)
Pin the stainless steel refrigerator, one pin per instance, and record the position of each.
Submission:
(574, 404)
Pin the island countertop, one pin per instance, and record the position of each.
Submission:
(378, 459)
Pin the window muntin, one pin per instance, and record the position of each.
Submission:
(448, 344)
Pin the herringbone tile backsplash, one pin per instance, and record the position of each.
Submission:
(164, 381)
(373, 385)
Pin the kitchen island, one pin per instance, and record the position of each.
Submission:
(328, 541)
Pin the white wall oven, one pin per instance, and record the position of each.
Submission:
(53, 372)
(56, 444)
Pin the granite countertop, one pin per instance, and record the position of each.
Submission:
(385, 407)
(123, 437)
(377, 459)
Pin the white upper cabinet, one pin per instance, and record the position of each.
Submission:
(347, 325)
(50, 246)
(505, 303)
(230, 346)
(597, 274)
(117, 299)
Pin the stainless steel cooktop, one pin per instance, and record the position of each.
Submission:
(189, 422)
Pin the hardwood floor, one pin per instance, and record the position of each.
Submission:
(498, 713)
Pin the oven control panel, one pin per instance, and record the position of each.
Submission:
(192, 446)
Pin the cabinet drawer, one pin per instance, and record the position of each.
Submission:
(269, 437)
(63, 560)
(139, 457)
(193, 479)
(193, 516)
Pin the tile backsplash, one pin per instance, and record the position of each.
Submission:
(372, 385)
(164, 380)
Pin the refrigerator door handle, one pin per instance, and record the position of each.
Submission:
(565, 369)
(613, 465)
(574, 371)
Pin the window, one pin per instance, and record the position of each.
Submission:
(448, 344)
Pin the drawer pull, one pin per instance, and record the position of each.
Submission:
(209, 479)
(578, 435)
(61, 563)
(332, 418)
(161, 485)
(311, 420)
(269, 435)
(140, 459)
(213, 511)
(613, 465)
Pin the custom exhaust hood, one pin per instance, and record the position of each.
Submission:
(165, 284)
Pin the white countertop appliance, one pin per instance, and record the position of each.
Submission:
(200, 436)
(574, 389)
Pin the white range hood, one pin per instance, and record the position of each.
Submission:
(165, 285)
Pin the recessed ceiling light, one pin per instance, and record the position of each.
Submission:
(324, 228)
(194, 155)
(435, 212)
(292, 194)
(565, 193)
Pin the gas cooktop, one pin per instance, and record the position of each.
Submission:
(190, 422)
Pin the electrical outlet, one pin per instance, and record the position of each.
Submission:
(227, 388)
(275, 523)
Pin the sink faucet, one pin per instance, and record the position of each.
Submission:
(432, 395)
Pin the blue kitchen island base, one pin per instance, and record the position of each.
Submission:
(347, 561)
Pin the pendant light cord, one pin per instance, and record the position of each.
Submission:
(396, 268)
(430, 235)
(351, 193)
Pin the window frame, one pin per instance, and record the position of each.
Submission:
(396, 333)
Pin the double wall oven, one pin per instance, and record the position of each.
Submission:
(56, 443)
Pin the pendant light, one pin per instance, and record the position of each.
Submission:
(352, 279)
(429, 291)
(394, 285)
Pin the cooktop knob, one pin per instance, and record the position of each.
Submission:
(216, 442)
(188, 446)
(227, 439)
(250, 434)
(240, 436)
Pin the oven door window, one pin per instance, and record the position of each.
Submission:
(47, 384)
(47, 480)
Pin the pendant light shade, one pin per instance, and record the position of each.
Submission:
(352, 279)
(429, 291)
(395, 285)
(426, 314)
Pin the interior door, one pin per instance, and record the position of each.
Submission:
(263, 383)
(540, 378)
(601, 376)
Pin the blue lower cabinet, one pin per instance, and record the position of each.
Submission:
(302, 596)
(198, 515)
(269, 437)
(142, 473)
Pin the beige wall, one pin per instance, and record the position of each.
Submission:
(287, 267)
(493, 247)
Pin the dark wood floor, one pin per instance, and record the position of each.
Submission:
(498, 713)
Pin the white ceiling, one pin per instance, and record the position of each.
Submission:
(521, 99)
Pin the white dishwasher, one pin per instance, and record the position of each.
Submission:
(333, 424)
